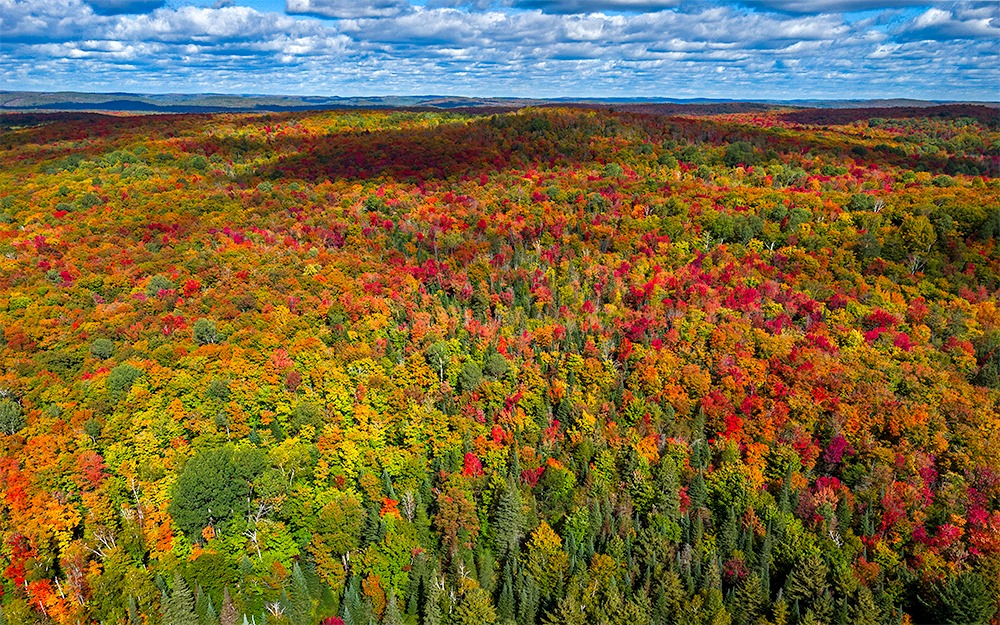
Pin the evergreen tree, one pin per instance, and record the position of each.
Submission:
(528, 598)
(961, 599)
(698, 491)
(508, 523)
(863, 610)
(180, 607)
(432, 604)
(299, 600)
(392, 614)
(506, 608)
(228, 615)
(807, 584)
(748, 600)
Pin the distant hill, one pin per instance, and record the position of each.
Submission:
(224, 103)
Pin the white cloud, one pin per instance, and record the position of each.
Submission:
(499, 47)
(965, 23)
(347, 9)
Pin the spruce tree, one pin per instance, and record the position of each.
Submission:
(392, 614)
(505, 603)
(180, 606)
(806, 584)
(508, 524)
(228, 615)
(299, 599)
(432, 605)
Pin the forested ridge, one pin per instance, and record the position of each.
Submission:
(553, 366)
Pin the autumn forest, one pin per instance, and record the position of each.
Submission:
(565, 366)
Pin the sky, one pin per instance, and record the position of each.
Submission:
(741, 49)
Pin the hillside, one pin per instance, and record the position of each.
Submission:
(554, 365)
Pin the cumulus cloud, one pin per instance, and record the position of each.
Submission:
(962, 23)
(347, 9)
(508, 47)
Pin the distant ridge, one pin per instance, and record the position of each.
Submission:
(24, 101)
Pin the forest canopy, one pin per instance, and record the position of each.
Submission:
(547, 366)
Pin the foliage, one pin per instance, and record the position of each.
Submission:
(545, 365)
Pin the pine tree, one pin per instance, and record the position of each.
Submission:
(528, 598)
(299, 599)
(211, 618)
(133, 612)
(764, 560)
(432, 605)
(508, 525)
(228, 615)
(505, 603)
(807, 583)
(180, 606)
(748, 600)
(863, 610)
(698, 492)
(392, 614)
(513, 462)
(669, 485)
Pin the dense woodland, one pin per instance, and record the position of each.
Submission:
(549, 366)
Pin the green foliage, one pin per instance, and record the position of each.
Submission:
(961, 599)
(157, 284)
(121, 379)
(214, 489)
(179, 608)
(470, 377)
(102, 348)
(11, 416)
(205, 332)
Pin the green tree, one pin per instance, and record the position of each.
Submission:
(102, 348)
(11, 417)
(214, 488)
(300, 602)
(121, 379)
(961, 600)
(508, 523)
(739, 153)
(392, 614)
(179, 609)
(470, 377)
(158, 283)
(205, 332)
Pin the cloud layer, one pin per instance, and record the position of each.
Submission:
(546, 48)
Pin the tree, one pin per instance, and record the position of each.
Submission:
(205, 332)
(299, 600)
(392, 614)
(961, 600)
(508, 524)
(228, 616)
(121, 379)
(179, 608)
(474, 606)
(157, 284)
(470, 377)
(11, 417)
(102, 348)
(739, 153)
(214, 488)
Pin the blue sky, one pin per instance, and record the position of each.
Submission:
(747, 49)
